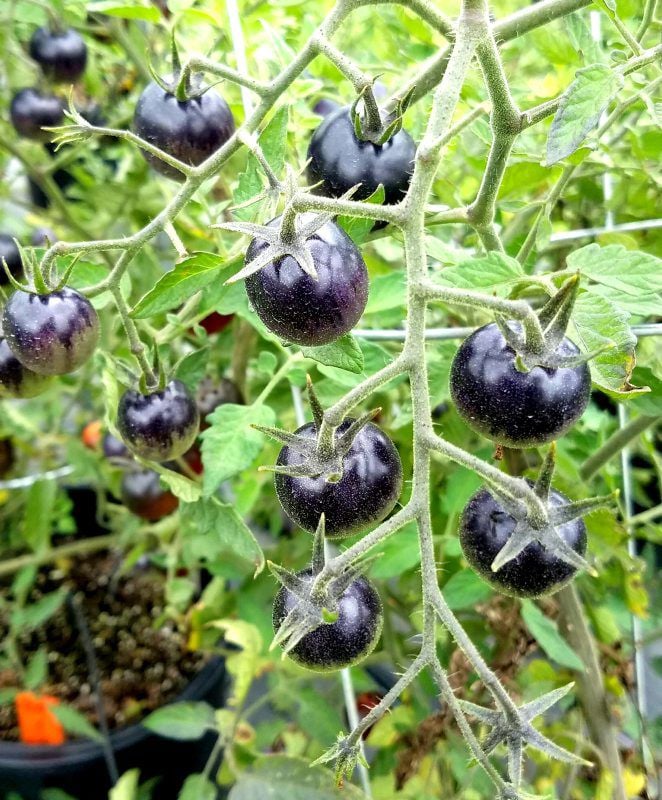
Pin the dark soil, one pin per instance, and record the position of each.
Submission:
(142, 665)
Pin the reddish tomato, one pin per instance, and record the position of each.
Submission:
(92, 433)
(37, 724)
(365, 702)
(215, 322)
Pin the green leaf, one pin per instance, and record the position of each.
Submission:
(579, 111)
(283, 778)
(597, 321)
(76, 723)
(317, 717)
(582, 40)
(344, 353)
(126, 787)
(179, 592)
(465, 589)
(7, 695)
(243, 662)
(40, 501)
(546, 633)
(183, 721)
(386, 292)
(192, 368)
(650, 403)
(34, 615)
(197, 787)
(629, 271)
(36, 671)
(495, 271)
(273, 141)
(187, 490)
(211, 529)
(188, 277)
(145, 11)
(230, 445)
(399, 553)
(358, 228)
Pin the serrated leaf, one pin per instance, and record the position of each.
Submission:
(546, 633)
(596, 322)
(211, 528)
(182, 487)
(198, 787)
(230, 445)
(344, 353)
(188, 277)
(464, 589)
(40, 501)
(75, 723)
(629, 271)
(183, 721)
(358, 228)
(580, 108)
(242, 662)
(445, 253)
(191, 369)
(386, 292)
(495, 271)
(283, 778)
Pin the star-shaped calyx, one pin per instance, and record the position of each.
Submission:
(322, 455)
(517, 732)
(371, 126)
(545, 531)
(287, 235)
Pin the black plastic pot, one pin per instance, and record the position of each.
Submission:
(79, 767)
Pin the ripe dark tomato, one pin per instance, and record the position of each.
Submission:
(324, 107)
(43, 237)
(346, 641)
(341, 160)
(159, 426)
(16, 381)
(31, 111)
(62, 55)
(301, 309)
(142, 494)
(212, 394)
(369, 488)
(485, 528)
(190, 130)
(113, 447)
(513, 408)
(51, 334)
(9, 252)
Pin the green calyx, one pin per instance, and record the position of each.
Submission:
(370, 126)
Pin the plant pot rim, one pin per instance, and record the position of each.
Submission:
(14, 755)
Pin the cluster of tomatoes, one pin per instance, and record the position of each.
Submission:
(54, 333)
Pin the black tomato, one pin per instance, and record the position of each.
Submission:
(340, 160)
(62, 55)
(299, 308)
(9, 252)
(113, 448)
(142, 494)
(16, 381)
(369, 488)
(485, 528)
(212, 394)
(513, 408)
(190, 130)
(346, 641)
(31, 110)
(159, 426)
(43, 237)
(51, 334)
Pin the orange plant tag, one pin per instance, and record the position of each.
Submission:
(36, 722)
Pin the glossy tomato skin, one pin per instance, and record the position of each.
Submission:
(62, 55)
(32, 110)
(190, 130)
(485, 528)
(16, 381)
(343, 643)
(159, 426)
(141, 493)
(340, 160)
(366, 493)
(51, 334)
(9, 252)
(513, 408)
(299, 308)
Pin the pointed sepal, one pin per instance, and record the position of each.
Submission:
(544, 480)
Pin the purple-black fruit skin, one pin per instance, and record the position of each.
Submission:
(516, 409)
(212, 394)
(159, 426)
(9, 252)
(113, 448)
(341, 161)
(16, 381)
(299, 308)
(367, 492)
(51, 334)
(485, 527)
(142, 493)
(62, 55)
(190, 130)
(31, 110)
(343, 643)
(43, 237)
